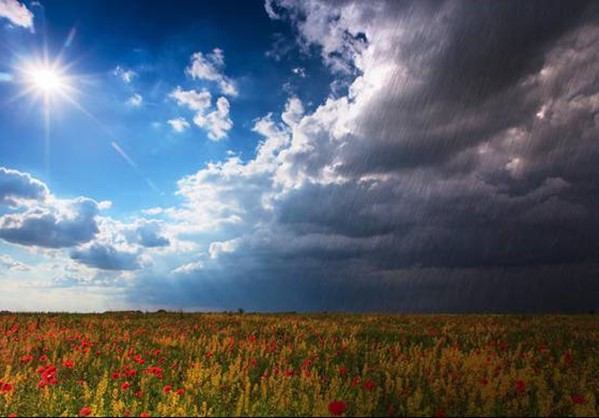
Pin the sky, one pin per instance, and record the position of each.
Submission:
(400, 156)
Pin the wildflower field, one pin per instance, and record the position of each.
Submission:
(175, 364)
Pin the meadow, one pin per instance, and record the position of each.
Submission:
(176, 364)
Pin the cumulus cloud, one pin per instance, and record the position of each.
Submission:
(179, 124)
(16, 186)
(61, 224)
(148, 234)
(106, 257)
(217, 123)
(217, 248)
(194, 100)
(17, 13)
(209, 67)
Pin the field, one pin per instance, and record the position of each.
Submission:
(174, 364)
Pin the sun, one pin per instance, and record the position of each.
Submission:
(46, 80)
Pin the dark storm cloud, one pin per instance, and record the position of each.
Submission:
(467, 64)
(51, 227)
(15, 185)
(459, 173)
(486, 160)
(106, 257)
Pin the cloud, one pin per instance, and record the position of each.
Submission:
(17, 13)
(148, 234)
(189, 268)
(217, 123)
(179, 124)
(17, 187)
(432, 183)
(106, 257)
(217, 248)
(209, 67)
(198, 101)
(7, 262)
(135, 100)
(126, 75)
(62, 223)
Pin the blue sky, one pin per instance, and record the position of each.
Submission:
(287, 155)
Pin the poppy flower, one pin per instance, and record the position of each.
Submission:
(180, 391)
(369, 385)
(125, 385)
(85, 411)
(26, 359)
(68, 364)
(144, 414)
(337, 408)
(520, 386)
(167, 389)
(578, 400)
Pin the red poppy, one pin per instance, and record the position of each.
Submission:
(578, 400)
(167, 389)
(180, 391)
(26, 359)
(85, 411)
(520, 386)
(369, 385)
(337, 408)
(144, 414)
(342, 370)
(439, 413)
(125, 385)
(5, 387)
(485, 381)
(68, 364)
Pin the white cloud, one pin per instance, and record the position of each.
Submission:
(10, 263)
(135, 100)
(220, 247)
(294, 110)
(125, 75)
(217, 123)
(195, 100)
(209, 67)
(17, 13)
(153, 211)
(179, 124)
(189, 267)
(299, 71)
